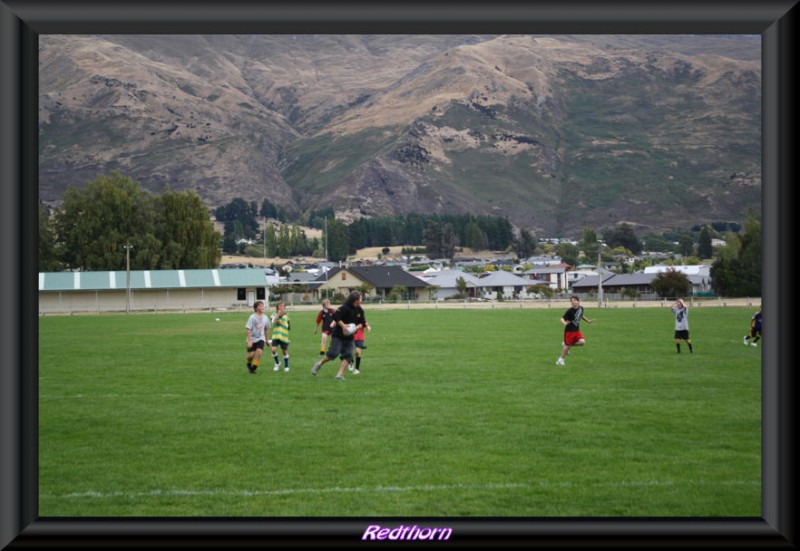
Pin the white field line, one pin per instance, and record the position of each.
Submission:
(175, 492)
(119, 396)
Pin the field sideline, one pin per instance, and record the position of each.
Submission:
(457, 412)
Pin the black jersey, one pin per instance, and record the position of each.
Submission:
(347, 314)
(573, 317)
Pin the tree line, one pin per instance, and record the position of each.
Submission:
(96, 227)
(114, 218)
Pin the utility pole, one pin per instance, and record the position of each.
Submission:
(128, 248)
(599, 278)
(326, 248)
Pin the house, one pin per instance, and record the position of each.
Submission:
(589, 284)
(638, 283)
(445, 283)
(107, 291)
(382, 279)
(554, 274)
(505, 285)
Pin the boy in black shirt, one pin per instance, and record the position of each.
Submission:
(342, 343)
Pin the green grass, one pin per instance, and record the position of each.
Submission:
(456, 413)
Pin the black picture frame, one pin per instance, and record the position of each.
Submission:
(22, 21)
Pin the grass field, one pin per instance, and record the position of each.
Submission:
(456, 413)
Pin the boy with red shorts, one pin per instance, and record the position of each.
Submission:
(572, 333)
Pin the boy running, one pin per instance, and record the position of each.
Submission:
(342, 345)
(755, 330)
(256, 332)
(572, 333)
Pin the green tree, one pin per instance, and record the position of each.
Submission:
(449, 241)
(338, 242)
(187, 232)
(474, 238)
(671, 284)
(48, 254)
(94, 224)
(685, 246)
(704, 247)
(590, 244)
(244, 216)
(525, 244)
(624, 236)
(283, 245)
(461, 285)
(568, 253)
(398, 292)
(741, 276)
(432, 239)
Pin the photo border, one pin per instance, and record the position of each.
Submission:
(22, 21)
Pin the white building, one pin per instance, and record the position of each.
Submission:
(701, 270)
(155, 290)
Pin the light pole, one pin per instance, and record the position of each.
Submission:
(128, 248)
(599, 279)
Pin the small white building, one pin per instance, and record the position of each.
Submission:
(156, 290)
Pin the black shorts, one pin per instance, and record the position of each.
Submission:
(276, 343)
(342, 348)
(683, 334)
(256, 345)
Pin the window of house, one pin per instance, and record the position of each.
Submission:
(241, 294)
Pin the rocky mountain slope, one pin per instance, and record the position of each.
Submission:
(557, 133)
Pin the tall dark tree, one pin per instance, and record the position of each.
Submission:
(449, 241)
(338, 241)
(48, 254)
(671, 284)
(624, 236)
(525, 244)
(704, 246)
(239, 210)
(187, 230)
(686, 246)
(432, 239)
(589, 244)
(741, 276)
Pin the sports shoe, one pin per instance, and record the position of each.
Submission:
(250, 368)
(560, 361)
(753, 344)
(277, 367)
(356, 372)
(744, 341)
(286, 370)
(340, 377)
(315, 369)
(350, 367)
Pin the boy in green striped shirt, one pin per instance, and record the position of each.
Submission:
(280, 336)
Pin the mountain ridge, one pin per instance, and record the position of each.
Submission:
(556, 133)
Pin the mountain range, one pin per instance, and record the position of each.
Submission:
(556, 133)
